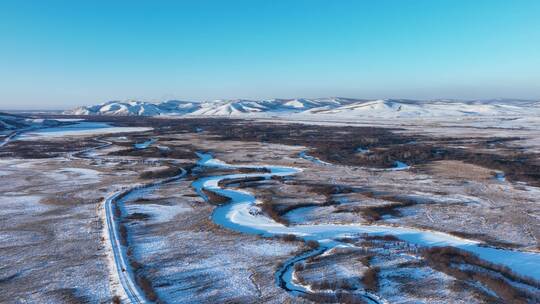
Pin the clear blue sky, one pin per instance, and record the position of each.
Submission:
(58, 54)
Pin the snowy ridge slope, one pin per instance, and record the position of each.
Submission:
(12, 122)
(324, 107)
(136, 108)
(215, 107)
(413, 108)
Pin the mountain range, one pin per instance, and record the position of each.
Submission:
(343, 107)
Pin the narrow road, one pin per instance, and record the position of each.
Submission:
(126, 276)
(123, 267)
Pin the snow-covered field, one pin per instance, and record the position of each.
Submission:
(238, 215)
(78, 129)
(297, 227)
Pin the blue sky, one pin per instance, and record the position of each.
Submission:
(59, 54)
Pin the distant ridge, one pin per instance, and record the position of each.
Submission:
(337, 106)
(13, 122)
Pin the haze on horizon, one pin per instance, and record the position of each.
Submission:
(61, 54)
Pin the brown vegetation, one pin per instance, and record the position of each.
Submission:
(337, 297)
(172, 151)
(242, 182)
(491, 241)
(312, 244)
(146, 287)
(375, 213)
(116, 300)
(386, 238)
(272, 207)
(496, 278)
(123, 234)
(162, 173)
(332, 285)
(371, 279)
(214, 198)
(137, 216)
(68, 200)
(32, 149)
(335, 144)
(272, 210)
(289, 238)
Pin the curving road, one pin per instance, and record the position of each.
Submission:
(238, 215)
(122, 266)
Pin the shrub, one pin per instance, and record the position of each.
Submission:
(163, 173)
(273, 212)
(290, 238)
(138, 216)
(376, 213)
(214, 198)
(244, 181)
(116, 300)
(123, 234)
(320, 297)
(146, 287)
(386, 237)
(365, 259)
(371, 279)
(349, 298)
(444, 259)
(312, 244)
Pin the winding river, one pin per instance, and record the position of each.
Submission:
(243, 215)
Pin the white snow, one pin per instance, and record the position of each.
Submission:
(78, 174)
(159, 213)
(79, 129)
(400, 166)
(237, 216)
(312, 159)
(145, 144)
(362, 150)
(322, 108)
(268, 249)
(500, 176)
(28, 204)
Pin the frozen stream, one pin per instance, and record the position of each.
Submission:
(243, 215)
(145, 144)
(398, 166)
(78, 128)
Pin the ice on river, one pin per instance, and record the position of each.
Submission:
(312, 159)
(84, 128)
(400, 166)
(243, 215)
(145, 144)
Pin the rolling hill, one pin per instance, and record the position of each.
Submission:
(329, 107)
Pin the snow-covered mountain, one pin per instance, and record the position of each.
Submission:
(327, 107)
(215, 107)
(390, 108)
(137, 108)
